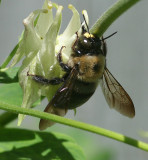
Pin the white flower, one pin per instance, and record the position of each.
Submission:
(40, 44)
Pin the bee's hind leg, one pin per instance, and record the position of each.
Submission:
(56, 80)
(40, 79)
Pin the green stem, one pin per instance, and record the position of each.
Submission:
(111, 15)
(76, 124)
(7, 117)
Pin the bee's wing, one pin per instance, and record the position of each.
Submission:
(116, 96)
(61, 98)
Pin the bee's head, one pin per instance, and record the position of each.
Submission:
(89, 42)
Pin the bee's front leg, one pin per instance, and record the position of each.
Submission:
(64, 66)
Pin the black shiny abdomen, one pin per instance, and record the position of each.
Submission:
(81, 92)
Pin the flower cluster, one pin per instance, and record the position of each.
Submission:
(40, 45)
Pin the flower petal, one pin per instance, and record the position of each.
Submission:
(45, 20)
(30, 41)
(39, 62)
(47, 58)
(73, 25)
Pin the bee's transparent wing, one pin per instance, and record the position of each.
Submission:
(116, 96)
(60, 100)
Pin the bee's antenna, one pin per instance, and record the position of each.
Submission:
(109, 36)
(85, 22)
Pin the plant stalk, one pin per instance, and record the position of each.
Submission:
(69, 122)
(108, 17)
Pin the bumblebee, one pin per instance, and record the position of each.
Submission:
(85, 69)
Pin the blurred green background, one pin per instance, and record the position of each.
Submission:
(127, 60)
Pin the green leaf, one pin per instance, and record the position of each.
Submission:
(11, 94)
(9, 76)
(29, 145)
(104, 154)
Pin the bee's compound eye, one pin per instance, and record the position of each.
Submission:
(85, 42)
(96, 67)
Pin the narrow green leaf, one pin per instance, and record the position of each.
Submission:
(9, 58)
(25, 144)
